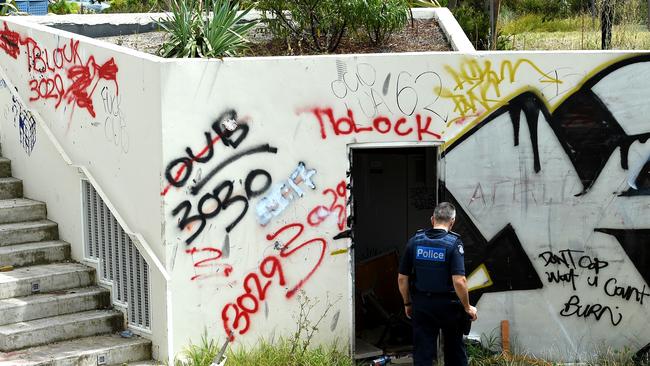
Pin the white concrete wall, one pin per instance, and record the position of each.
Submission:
(92, 111)
(462, 94)
(548, 200)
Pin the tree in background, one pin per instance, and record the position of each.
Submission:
(606, 23)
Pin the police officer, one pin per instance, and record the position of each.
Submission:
(433, 286)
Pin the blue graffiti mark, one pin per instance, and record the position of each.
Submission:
(281, 196)
(3, 84)
(26, 126)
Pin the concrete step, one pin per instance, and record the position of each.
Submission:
(5, 167)
(20, 309)
(21, 209)
(28, 231)
(59, 328)
(45, 278)
(10, 188)
(111, 349)
(137, 363)
(40, 252)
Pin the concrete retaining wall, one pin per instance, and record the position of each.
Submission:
(545, 155)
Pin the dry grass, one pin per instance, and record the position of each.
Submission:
(625, 37)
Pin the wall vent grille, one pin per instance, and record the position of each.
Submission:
(120, 262)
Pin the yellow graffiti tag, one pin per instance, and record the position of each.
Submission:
(479, 85)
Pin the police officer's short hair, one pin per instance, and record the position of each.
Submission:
(444, 212)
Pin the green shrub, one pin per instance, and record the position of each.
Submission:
(62, 7)
(205, 29)
(8, 7)
(201, 354)
(381, 18)
(281, 354)
(135, 6)
(318, 24)
(476, 24)
(425, 4)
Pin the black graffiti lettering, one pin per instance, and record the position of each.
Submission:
(557, 277)
(185, 175)
(186, 219)
(241, 131)
(565, 258)
(573, 307)
(594, 264)
(179, 170)
(210, 205)
(248, 184)
(266, 148)
(626, 293)
(207, 156)
(592, 282)
(228, 200)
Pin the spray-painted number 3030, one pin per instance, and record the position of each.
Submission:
(212, 203)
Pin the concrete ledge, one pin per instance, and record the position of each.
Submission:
(455, 34)
(108, 25)
(101, 25)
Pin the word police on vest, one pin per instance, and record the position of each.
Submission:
(430, 254)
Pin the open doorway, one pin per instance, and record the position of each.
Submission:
(394, 191)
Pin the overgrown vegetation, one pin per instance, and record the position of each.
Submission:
(61, 7)
(318, 24)
(572, 24)
(321, 25)
(381, 18)
(297, 350)
(8, 7)
(205, 28)
(136, 6)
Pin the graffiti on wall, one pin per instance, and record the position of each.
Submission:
(479, 85)
(115, 126)
(283, 194)
(59, 74)
(193, 173)
(585, 130)
(194, 218)
(26, 124)
(391, 93)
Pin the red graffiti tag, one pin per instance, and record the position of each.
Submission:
(179, 172)
(237, 315)
(320, 213)
(347, 125)
(9, 41)
(61, 74)
(214, 255)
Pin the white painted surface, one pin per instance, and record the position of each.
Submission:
(120, 146)
(174, 103)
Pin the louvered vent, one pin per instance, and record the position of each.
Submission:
(120, 262)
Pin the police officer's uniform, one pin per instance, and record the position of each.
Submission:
(432, 256)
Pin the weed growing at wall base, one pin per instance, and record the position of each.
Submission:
(280, 354)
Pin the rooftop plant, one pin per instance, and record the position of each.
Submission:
(381, 18)
(205, 28)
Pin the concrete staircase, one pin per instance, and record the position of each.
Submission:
(51, 310)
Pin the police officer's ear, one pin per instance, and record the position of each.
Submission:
(451, 223)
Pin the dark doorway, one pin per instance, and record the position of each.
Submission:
(394, 193)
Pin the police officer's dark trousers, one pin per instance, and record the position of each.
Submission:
(432, 313)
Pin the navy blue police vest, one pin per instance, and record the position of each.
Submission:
(431, 262)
